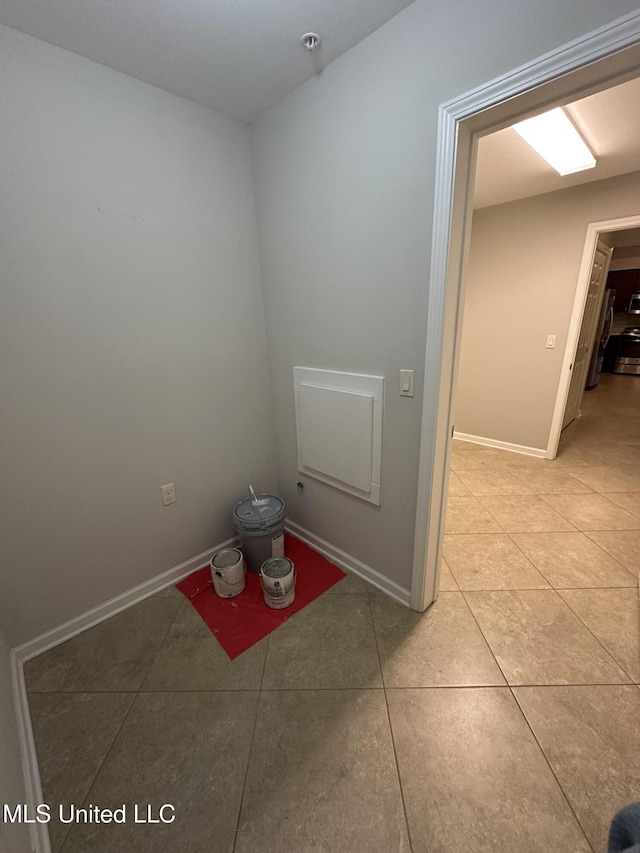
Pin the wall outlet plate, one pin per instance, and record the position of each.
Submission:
(168, 494)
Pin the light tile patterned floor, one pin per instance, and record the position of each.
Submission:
(505, 718)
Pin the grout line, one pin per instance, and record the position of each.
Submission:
(393, 742)
(395, 755)
(102, 763)
(319, 689)
(251, 742)
(375, 638)
(588, 533)
(548, 588)
(566, 603)
(360, 689)
(507, 685)
(513, 533)
(481, 533)
(596, 588)
(599, 530)
(264, 662)
(473, 616)
(524, 716)
(78, 692)
(544, 755)
(540, 572)
(532, 495)
(161, 644)
(472, 686)
(135, 693)
(597, 639)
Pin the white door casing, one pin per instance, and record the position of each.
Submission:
(602, 58)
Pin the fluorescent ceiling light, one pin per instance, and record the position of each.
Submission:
(556, 140)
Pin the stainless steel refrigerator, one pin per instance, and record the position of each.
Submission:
(603, 333)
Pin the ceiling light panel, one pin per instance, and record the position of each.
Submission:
(555, 139)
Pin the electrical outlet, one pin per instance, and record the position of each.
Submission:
(168, 494)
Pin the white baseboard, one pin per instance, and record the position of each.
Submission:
(21, 654)
(33, 788)
(67, 630)
(501, 445)
(349, 563)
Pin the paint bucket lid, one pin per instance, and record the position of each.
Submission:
(265, 510)
(226, 558)
(277, 567)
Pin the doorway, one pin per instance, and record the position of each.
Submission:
(598, 61)
(597, 234)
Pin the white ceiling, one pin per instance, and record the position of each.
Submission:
(242, 56)
(609, 121)
(236, 56)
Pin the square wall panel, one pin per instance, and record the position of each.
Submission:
(339, 429)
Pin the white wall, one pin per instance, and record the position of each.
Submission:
(344, 170)
(132, 342)
(14, 838)
(521, 280)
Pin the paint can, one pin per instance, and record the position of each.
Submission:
(228, 572)
(278, 582)
(259, 519)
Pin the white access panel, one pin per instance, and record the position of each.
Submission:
(339, 429)
(346, 457)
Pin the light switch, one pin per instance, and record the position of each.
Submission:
(406, 383)
(551, 341)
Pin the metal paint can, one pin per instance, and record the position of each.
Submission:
(228, 572)
(278, 581)
(259, 519)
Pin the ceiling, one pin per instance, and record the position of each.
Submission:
(609, 122)
(236, 56)
(242, 56)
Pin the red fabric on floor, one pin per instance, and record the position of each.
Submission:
(238, 623)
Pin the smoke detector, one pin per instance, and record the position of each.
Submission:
(310, 41)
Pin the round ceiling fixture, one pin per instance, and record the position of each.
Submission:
(310, 41)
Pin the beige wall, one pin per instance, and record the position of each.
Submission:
(520, 286)
(132, 342)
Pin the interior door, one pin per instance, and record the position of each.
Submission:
(586, 340)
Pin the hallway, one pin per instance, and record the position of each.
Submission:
(547, 556)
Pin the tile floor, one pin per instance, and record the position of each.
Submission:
(505, 718)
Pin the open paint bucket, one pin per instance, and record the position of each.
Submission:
(259, 519)
(278, 581)
(228, 572)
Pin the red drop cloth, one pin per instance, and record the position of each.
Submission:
(237, 623)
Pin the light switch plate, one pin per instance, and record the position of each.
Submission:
(406, 383)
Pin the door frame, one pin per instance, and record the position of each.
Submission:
(594, 230)
(603, 58)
